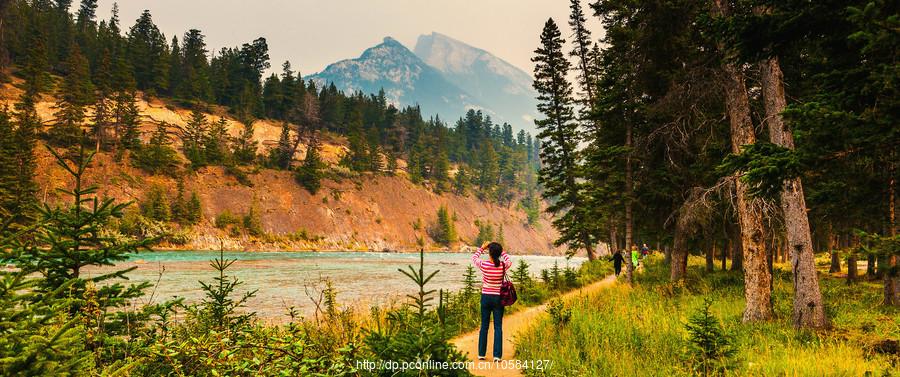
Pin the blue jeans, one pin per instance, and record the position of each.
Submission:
(490, 304)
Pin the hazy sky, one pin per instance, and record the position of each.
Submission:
(312, 34)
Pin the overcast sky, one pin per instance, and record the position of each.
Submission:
(314, 33)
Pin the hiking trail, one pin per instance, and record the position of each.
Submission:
(514, 325)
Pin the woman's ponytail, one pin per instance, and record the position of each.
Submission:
(495, 250)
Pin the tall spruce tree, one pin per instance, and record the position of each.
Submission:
(560, 138)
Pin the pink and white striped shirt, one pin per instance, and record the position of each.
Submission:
(493, 276)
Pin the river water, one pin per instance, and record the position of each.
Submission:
(289, 279)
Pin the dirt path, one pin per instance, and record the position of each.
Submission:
(513, 325)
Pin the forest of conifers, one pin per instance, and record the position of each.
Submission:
(758, 130)
(89, 63)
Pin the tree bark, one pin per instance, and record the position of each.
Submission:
(725, 248)
(613, 238)
(870, 267)
(710, 255)
(737, 255)
(808, 309)
(829, 244)
(629, 221)
(757, 279)
(667, 251)
(678, 268)
(891, 279)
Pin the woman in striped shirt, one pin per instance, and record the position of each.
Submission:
(492, 270)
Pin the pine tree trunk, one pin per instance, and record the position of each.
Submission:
(678, 268)
(808, 308)
(629, 221)
(667, 251)
(613, 239)
(829, 244)
(757, 279)
(737, 255)
(591, 253)
(710, 255)
(870, 267)
(725, 248)
(891, 279)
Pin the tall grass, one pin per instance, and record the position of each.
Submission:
(640, 330)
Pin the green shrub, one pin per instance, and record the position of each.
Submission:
(443, 231)
(253, 222)
(157, 156)
(226, 218)
(711, 347)
(559, 313)
(155, 205)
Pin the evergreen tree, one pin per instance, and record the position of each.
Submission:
(37, 339)
(17, 198)
(37, 65)
(391, 166)
(178, 208)
(148, 54)
(194, 209)
(470, 282)
(102, 118)
(74, 239)
(157, 156)
(73, 95)
(156, 205)
(560, 139)
(461, 181)
(193, 139)
(244, 147)
(282, 154)
(126, 120)
(87, 12)
(521, 276)
(441, 172)
(176, 70)
(443, 231)
(581, 39)
(488, 169)
(309, 174)
(194, 83)
(357, 156)
(215, 143)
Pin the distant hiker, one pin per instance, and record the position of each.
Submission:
(492, 270)
(617, 260)
(645, 250)
(635, 256)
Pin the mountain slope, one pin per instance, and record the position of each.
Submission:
(405, 78)
(504, 89)
(365, 212)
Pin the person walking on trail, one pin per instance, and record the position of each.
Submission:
(492, 271)
(645, 250)
(635, 256)
(617, 260)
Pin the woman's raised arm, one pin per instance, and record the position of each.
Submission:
(476, 257)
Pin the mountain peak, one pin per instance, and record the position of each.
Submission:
(405, 78)
(506, 88)
(390, 41)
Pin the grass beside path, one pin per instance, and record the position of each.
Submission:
(514, 326)
(640, 330)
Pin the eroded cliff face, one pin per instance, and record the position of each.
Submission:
(366, 212)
